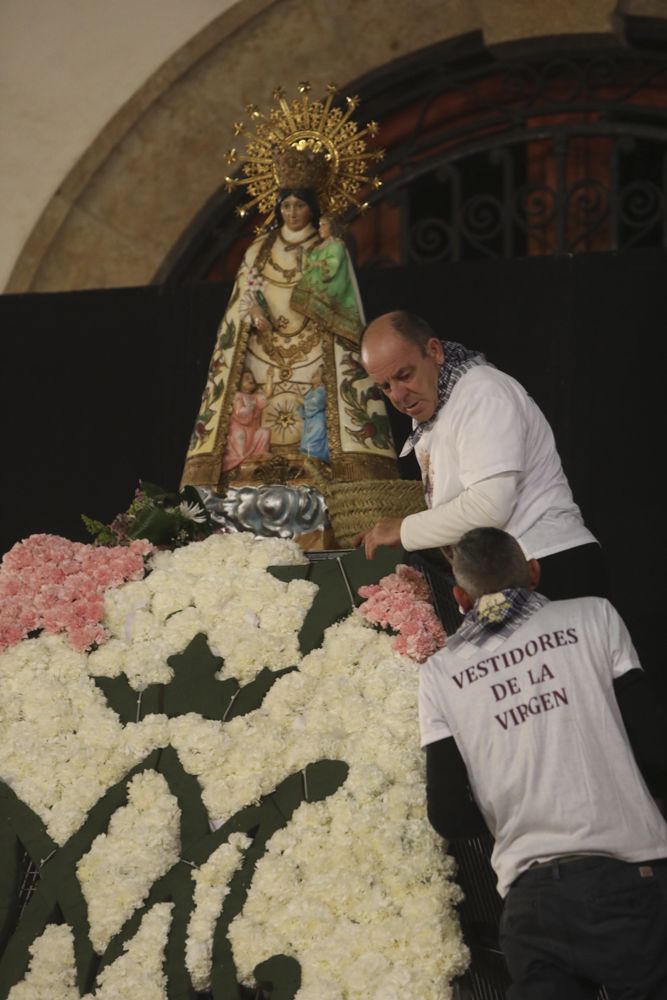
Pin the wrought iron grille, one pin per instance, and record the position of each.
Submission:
(561, 157)
(492, 160)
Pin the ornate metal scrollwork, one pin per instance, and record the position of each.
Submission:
(431, 239)
(587, 205)
(641, 207)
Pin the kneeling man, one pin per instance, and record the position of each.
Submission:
(538, 724)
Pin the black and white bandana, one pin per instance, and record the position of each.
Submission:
(497, 615)
(458, 361)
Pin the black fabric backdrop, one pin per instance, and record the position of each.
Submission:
(100, 389)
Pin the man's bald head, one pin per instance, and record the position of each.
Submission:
(403, 356)
(412, 328)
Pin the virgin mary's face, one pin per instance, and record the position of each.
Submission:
(295, 212)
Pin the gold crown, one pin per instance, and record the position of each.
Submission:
(304, 144)
(301, 169)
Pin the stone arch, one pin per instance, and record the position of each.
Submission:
(154, 167)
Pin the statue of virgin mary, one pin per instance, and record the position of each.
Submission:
(293, 322)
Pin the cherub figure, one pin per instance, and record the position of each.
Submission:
(312, 410)
(327, 291)
(246, 438)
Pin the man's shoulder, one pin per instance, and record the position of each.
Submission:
(590, 617)
(581, 605)
(491, 375)
(573, 606)
(483, 383)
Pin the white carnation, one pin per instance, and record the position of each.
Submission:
(139, 970)
(211, 886)
(142, 843)
(51, 974)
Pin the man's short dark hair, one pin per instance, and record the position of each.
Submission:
(410, 327)
(486, 560)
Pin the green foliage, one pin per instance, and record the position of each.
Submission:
(165, 518)
(101, 532)
(227, 335)
(368, 426)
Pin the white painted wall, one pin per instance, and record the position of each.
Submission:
(66, 67)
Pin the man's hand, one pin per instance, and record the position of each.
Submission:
(385, 532)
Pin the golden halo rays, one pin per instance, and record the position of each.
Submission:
(307, 144)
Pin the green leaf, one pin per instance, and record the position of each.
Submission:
(156, 524)
(154, 492)
(102, 533)
(92, 526)
(227, 335)
(191, 495)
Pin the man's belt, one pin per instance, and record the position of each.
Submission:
(563, 859)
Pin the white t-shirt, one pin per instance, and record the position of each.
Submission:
(538, 726)
(490, 425)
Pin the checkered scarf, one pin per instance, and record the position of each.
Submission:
(458, 361)
(497, 615)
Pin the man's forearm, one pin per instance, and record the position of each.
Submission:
(487, 504)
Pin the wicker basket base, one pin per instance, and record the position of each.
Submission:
(356, 506)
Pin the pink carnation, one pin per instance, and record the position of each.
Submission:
(402, 603)
(48, 582)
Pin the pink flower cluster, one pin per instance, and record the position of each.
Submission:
(51, 583)
(401, 602)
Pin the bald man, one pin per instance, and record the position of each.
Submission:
(486, 453)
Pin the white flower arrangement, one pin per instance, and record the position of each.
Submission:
(366, 856)
(142, 843)
(355, 887)
(219, 587)
(61, 746)
(211, 886)
(51, 974)
(138, 971)
(341, 871)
